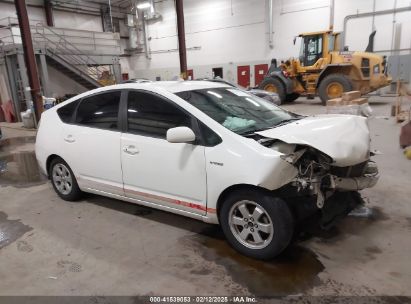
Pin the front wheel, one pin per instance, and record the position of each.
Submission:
(257, 224)
(273, 85)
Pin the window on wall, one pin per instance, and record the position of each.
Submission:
(100, 111)
(151, 115)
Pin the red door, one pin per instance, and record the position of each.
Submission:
(260, 70)
(190, 74)
(243, 75)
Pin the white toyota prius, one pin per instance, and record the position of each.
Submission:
(211, 152)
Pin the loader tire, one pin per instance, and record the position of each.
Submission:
(274, 85)
(332, 86)
(292, 97)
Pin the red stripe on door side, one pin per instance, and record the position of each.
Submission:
(172, 201)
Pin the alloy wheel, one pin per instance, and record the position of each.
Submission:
(250, 224)
(62, 179)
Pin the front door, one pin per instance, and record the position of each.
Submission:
(91, 143)
(156, 171)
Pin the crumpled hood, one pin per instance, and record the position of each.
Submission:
(345, 138)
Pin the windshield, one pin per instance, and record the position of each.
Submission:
(237, 110)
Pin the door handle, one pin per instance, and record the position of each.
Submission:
(69, 139)
(132, 150)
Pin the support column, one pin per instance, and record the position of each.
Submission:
(117, 70)
(11, 66)
(48, 7)
(22, 70)
(181, 38)
(29, 56)
(44, 74)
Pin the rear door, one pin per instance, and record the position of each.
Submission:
(91, 143)
(169, 174)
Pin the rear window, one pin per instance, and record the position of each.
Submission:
(100, 111)
(66, 112)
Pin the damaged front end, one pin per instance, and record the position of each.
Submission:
(332, 189)
(322, 187)
(332, 156)
(318, 176)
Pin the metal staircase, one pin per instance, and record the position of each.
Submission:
(89, 58)
(67, 58)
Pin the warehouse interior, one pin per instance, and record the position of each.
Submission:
(116, 252)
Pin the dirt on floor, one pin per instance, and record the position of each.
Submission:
(100, 246)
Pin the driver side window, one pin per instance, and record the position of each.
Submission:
(151, 115)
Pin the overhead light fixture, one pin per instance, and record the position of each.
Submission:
(144, 5)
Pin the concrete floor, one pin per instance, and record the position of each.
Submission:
(100, 246)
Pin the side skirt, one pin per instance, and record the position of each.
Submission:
(209, 218)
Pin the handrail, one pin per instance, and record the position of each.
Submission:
(84, 63)
(57, 42)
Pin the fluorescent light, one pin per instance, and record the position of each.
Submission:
(132, 111)
(98, 113)
(144, 5)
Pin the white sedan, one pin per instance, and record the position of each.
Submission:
(211, 152)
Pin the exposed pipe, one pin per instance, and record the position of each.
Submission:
(181, 38)
(369, 14)
(111, 16)
(393, 25)
(332, 4)
(64, 7)
(29, 57)
(271, 17)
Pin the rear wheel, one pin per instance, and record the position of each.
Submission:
(63, 180)
(275, 86)
(256, 224)
(332, 86)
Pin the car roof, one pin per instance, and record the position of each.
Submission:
(173, 86)
(170, 86)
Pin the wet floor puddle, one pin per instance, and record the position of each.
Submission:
(9, 144)
(19, 168)
(11, 230)
(292, 272)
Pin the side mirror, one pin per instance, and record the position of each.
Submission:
(294, 40)
(180, 135)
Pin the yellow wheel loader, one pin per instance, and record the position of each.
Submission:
(323, 69)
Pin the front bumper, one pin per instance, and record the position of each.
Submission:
(368, 179)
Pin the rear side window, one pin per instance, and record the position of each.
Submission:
(99, 111)
(66, 112)
(151, 115)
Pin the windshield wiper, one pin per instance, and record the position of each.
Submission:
(283, 122)
(286, 121)
(249, 133)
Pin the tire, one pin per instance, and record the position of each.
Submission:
(63, 180)
(275, 218)
(275, 85)
(291, 97)
(336, 80)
